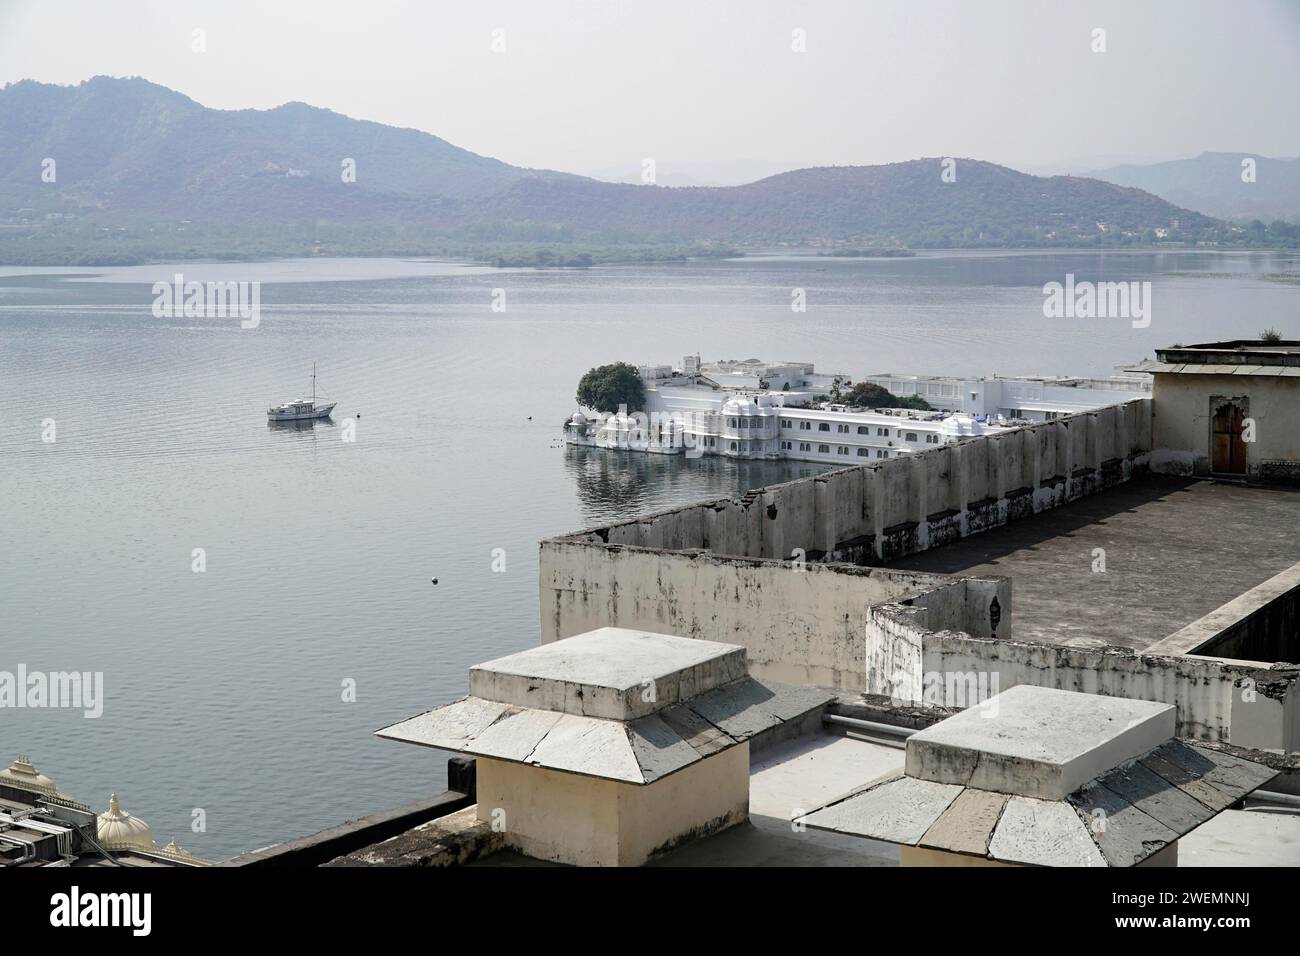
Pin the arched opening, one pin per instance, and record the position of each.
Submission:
(1227, 439)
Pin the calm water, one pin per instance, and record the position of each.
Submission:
(224, 689)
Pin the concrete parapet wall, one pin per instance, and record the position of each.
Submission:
(782, 570)
(1245, 703)
(800, 626)
(873, 514)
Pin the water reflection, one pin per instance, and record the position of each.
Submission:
(302, 425)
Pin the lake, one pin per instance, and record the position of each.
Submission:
(224, 690)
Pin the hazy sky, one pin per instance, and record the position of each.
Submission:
(583, 85)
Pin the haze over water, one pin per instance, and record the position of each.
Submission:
(223, 689)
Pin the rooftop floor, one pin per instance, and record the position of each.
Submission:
(1174, 551)
(786, 782)
(811, 771)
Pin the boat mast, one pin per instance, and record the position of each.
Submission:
(313, 384)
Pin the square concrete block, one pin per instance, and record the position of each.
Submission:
(613, 673)
(1037, 742)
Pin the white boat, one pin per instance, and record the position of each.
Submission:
(302, 409)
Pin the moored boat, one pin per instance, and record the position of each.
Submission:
(301, 409)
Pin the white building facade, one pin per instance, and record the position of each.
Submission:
(759, 410)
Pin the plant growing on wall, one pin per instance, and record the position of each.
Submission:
(606, 387)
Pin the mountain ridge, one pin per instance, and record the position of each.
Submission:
(151, 171)
(1212, 183)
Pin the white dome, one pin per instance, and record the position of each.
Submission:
(739, 406)
(578, 418)
(23, 775)
(118, 830)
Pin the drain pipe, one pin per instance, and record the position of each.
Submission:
(888, 735)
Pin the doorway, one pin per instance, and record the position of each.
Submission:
(1227, 441)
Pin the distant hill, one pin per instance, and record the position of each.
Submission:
(143, 171)
(1211, 183)
(694, 173)
(898, 204)
(124, 146)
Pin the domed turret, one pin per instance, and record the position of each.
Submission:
(118, 830)
(739, 406)
(23, 775)
(176, 849)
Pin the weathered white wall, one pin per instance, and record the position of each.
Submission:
(590, 821)
(804, 627)
(879, 512)
(714, 570)
(1216, 700)
(1183, 423)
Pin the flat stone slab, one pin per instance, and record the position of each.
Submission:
(900, 810)
(451, 727)
(967, 825)
(612, 673)
(1125, 835)
(635, 751)
(1037, 741)
(972, 783)
(1043, 833)
(1230, 776)
(1156, 797)
(599, 748)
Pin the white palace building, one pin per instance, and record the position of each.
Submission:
(754, 409)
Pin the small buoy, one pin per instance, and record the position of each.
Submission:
(434, 580)
(530, 418)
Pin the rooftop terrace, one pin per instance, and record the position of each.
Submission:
(1175, 550)
(804, 773)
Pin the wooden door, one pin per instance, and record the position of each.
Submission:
(1227, 444)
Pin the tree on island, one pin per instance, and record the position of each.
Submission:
(871, 395)
(606, 387)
